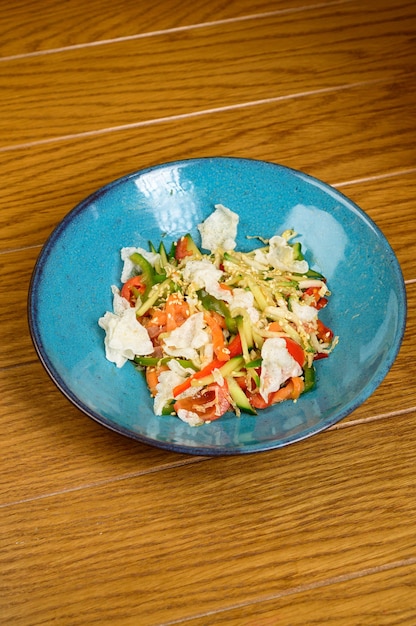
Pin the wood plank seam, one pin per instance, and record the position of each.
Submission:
(192, 460)
(176, 29)
(366, 179)
(299, 589)
(194, 114)
(373, 418)
(356, 181)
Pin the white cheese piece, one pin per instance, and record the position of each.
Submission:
(280, 256)
(206, 354)
(129, 268)
(125, 336)
(164, 389)
(219, 230)
(304, 312)
(204, 275)
(179, 369)
(277, 366)
(188, 338)
(245, 300)
(168, 380)
(120, 304)
(190, 417)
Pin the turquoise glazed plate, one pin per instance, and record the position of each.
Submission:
(71, 289)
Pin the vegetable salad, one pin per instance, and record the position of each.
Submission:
(214, 329)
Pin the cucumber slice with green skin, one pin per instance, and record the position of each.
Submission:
(255, 363)
(168, 408)
(163, 255)
(246, 336)
(239, 397)
(166, 256)
(297, 251)
(309, 377)
(230, 258)
(233, 365)
(147, 361)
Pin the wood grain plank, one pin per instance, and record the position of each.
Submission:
(214, 534)
(55, 447)
(74, 22)
(59, 448)
(132, 81)
(378, 136)
(99, 529)
(383, 598)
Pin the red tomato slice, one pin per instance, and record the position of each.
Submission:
(183, 248)
(209, 403)
(324, 333)
(295, 350)
(132, 288)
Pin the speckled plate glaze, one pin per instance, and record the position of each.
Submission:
(70, 290)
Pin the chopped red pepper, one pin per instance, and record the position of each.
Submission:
(324, 333)
(132, 289)
(234, 348)
(313, 298)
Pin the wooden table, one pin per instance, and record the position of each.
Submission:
(97, 528)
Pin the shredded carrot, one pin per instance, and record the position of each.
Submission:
(275, 327)
(221, 352)
(298, 386)
(152, 377)
(292, 390)
(284, 393)
(234, 348)
(220, 319)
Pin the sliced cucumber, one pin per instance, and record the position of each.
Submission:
(314, 274)
(147, 361)
(233, 365)
(239, 396)
(309, 377)
(297, 251)
(168, 408)
(163, 255)
(255, 363)
(244, 328)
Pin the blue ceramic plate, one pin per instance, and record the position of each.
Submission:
(71, 282)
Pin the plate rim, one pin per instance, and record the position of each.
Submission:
(57, 379)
